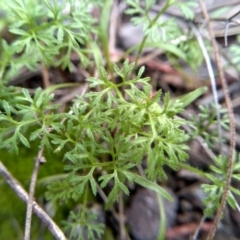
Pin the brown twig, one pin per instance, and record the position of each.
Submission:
(198, 229)
(113, 27)
(38, 160)
(231, 119)
(121, 217)
(113, 211)
(22, 194)
(183, 231)
(105, 199)
(45, 76)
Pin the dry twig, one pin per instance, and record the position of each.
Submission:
(212, 78)
(231, 119)
(45, 76)
(22, 194)
(38, 160)
(121, 217)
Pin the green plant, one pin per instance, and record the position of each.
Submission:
(82, 226)
(109, 131)
(101, 124)
(156, 28)
(46, 32)
(215, 189)
(103, 131)
(234, 49)
(205, 124)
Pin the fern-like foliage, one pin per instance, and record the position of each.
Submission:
(235, 51)
(28, 111)
(159, 28)
(45, 31)
(215, 188)
(82, 225)
(205, 123)
(113, 130)
(155, 27)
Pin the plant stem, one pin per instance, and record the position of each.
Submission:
(154, 132)
(231, 119)
(163, 10)
(193, 169)
(163, 221)
(84, 207)
(121, 217)
(103, 32)
(31, 195)
(22, 194)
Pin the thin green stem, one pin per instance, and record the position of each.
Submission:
(3, 68)
(103, 33)
(193, 169)
(130, 82)
(84, 205)
(21, 124)
(163, 221)
(152, 126)
(163, 10)
(205, 128)
(106, 165)
(119, 93)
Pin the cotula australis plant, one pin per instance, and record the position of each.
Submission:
(109, 130)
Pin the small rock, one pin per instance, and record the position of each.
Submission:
(143, 215)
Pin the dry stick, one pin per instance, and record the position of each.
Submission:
(114, 213)
(45, 76)
(232, 124)
(121, 217)
(22, 194)
(227, 27)
(195, 236)
(105, 199)
(113, 27)
(212, 78)
(38, 160)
